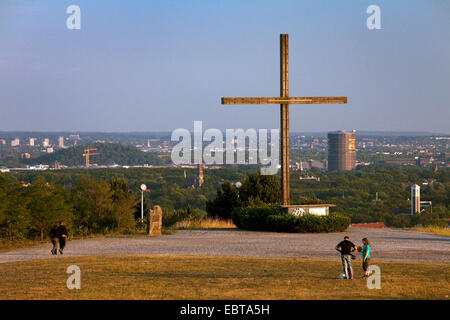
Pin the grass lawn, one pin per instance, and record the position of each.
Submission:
(200, 277)
(208, 223)
(433, 229)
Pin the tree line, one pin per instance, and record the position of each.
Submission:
(92, 206)
(93, 202)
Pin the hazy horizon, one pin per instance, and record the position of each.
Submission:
(154, 66)
(360, 132)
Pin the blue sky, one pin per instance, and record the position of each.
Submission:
(159, 65)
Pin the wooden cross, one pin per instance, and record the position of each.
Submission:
(284, 101)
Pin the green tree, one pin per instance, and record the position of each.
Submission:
(226, 200)
(14, 214)
(257, 189)
(92, 205)
(47, 205)
(123, 206)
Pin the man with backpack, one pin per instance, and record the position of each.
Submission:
(346, 247)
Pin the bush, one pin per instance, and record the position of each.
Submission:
(170, 218)
(191, 213)
(254, 218)
(309, 223)
(399, 221)
(271, 218)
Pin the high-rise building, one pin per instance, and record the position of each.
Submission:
(341, 150)
(32, 141)
(46, 143)
(61, 142)
(415, 199)
(15, 142)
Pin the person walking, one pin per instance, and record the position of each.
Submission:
(54, 239)
(346, 247)
(61, 231)
(366, 256)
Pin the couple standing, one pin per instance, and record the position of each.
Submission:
(58, 234)
(346, 248)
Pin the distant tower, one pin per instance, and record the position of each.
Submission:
(341, 150)
(199, 178)
(148, 143)
(415, 199)
(61, 142)
(32, 141)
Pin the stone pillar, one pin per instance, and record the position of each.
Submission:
(155, 221)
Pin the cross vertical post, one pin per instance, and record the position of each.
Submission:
(284, 100)
(284, 119)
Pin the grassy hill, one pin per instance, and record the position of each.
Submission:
(109, 153)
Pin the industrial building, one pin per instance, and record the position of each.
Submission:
(341, 150)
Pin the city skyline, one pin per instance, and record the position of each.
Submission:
(117, 72)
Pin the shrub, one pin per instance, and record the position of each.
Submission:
(271, 218)
(398, 221)
(191, 213)
(169, 218)
(254, 218)
(256, 190)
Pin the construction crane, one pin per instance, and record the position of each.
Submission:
(88, 154)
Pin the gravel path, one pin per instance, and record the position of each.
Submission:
(388, 244)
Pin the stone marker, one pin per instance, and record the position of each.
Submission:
(155, 221)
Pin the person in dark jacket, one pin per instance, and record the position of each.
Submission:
(346, 248)
(61, 231)
(54, 238)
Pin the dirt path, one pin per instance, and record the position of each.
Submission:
(388, 244)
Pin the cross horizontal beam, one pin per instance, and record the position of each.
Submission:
(284, 100)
